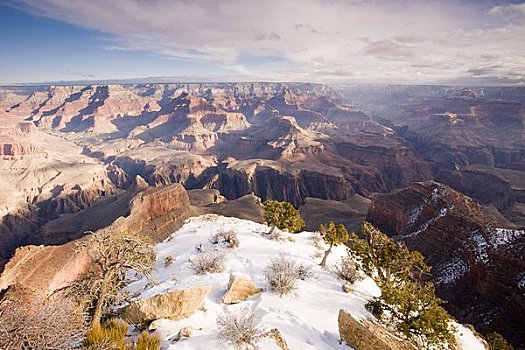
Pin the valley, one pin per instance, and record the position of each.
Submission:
(439, 168)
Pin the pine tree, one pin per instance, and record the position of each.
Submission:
(283, 216)
(334, 236)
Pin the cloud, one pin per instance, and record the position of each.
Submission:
(510, 12)
(315, 40)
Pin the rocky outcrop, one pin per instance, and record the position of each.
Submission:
(41, 270)
(476, 266)
(365, 335)
(155, 211)
(174, 305)
(268, 180)
(240, 287)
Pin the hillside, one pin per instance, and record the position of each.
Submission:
(307, 319)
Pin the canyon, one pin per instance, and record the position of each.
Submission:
(439, 168)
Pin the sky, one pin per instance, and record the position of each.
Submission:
(475, 42)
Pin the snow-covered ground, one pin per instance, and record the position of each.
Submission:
(307, 319)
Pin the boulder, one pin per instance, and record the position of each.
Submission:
(174, 305)
(365, 335)
(186, 332)
(240, 288)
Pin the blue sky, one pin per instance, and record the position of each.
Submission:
(333, 41)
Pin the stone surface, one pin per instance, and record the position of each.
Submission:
(363, 335)
(240, 287)
(174, 305)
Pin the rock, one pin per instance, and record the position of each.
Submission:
(174, 305)
(347, 288)
(186, 332)
(240, 288)
(364, 335)
(276, 335)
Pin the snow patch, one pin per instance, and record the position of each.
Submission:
(501, 236)
(521, 281)
(414, 214)
(480, 246)
(442, 212)
(451, 271)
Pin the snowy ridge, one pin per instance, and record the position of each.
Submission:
(502, 236)
(451, 271)
(307, 319)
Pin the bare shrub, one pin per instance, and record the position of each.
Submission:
(304, 271)
(318, 241)
(56, 325)
(274, 235)
(347, 270)
(207, 262)
(227, 237)
(281, 275)
(239, 330)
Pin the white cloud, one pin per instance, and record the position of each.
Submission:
(319, 40)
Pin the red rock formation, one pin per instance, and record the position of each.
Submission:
(41, 270)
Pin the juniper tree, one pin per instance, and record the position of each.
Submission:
(112, 255)
(282, 215)
(392, 261)
(407, 301)
(334, 236)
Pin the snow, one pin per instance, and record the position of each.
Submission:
(467, 339)
(442, 213)
(521, 281)
(502, 236)
(307, 319)
(480, 247)
(414, 214)
(451, 271)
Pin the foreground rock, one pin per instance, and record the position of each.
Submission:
(173, 305)
(41, 270)
(240, 288)
(368, 336)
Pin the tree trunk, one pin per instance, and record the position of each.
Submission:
(97, 316)
(323, 262)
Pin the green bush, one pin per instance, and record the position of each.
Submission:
(283, 216)
(333, 235)
(407, 301)
(147, 341)
(495, 341)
